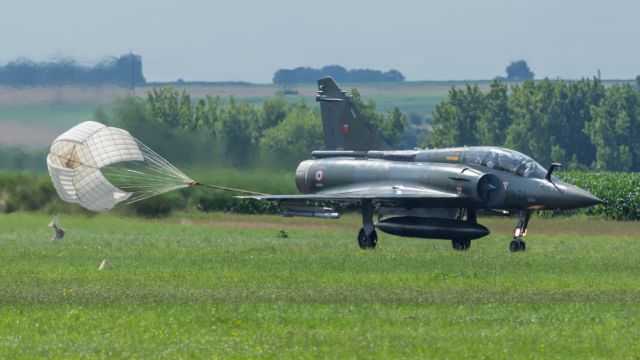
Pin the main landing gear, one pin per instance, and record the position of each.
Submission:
(367, 236)
(461, 244)
(367, 242)
(464, 244)
(517, 244)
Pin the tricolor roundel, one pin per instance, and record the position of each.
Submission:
(319, 176)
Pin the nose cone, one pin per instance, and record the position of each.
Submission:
(578, 198)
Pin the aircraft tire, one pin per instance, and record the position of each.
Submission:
(365, 243)
(517, 245)
(461, 244)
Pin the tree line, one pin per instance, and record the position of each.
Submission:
(582, 124)
(338, 73)
(227, 132)
(125, 70)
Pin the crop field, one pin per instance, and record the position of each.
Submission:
(220, 285)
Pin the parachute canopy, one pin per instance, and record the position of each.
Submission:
(99, 167)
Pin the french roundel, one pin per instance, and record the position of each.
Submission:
(319, 175)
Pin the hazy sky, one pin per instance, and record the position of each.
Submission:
(250, 40)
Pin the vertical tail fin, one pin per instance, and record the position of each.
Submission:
(343, 126)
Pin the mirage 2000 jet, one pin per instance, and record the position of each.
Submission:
(432, 193)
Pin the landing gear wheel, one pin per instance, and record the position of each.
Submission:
(514, 246)
(517, 245)
(461, 244)
(521, 230)
(367, 243)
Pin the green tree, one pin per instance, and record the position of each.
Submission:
(615, 129)
(393, 127)
(274, 110)
(496, 116)
(536, 120)
(368, 110)
(456, 119)
(133, 115)
(293, 139)
(390, 127)
(577, 97)
(580, 123)
(236, 130)
(518, 71)
(171, 108)
(208, 112)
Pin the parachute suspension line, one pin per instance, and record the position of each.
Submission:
(160, 161)
(183, 180)
(217, 187)
(147, 178)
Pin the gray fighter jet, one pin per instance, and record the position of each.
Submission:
(432, 193)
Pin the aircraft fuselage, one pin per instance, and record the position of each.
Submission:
(473, 184)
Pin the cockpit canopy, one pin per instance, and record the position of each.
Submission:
(487, 156)
(506, 160)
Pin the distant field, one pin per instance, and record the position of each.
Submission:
(419, 97)
(219, 285)
(34, 116)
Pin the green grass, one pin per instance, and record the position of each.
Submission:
(219, 285)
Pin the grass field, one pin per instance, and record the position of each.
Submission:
(218, 285)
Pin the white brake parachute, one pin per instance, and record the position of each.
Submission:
(99, 167)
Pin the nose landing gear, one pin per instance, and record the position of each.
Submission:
(517, 244)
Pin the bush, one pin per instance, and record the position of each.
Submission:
(220, 201)
(25, 191)
(159, 206)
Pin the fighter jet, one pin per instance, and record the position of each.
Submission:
(431, 193)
